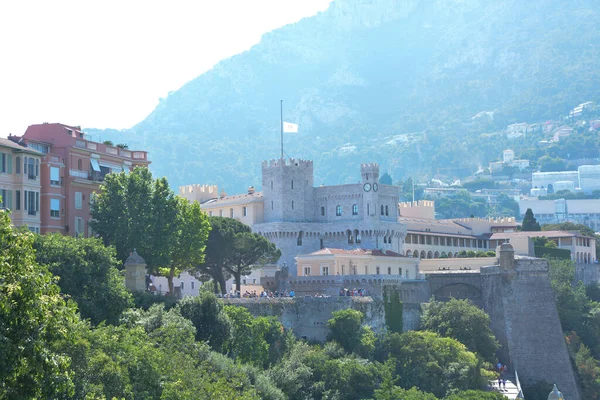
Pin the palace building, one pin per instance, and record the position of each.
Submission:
(301, 219)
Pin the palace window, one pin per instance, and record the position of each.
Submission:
(306, 271)
(78, 200)
(79, 165)
(324, 270)
(18, 165)
(322, 211)
(382, 209)
(389, 270)
(292, 204)
(292, 184)
(231, 213)
(355, 209)
(386, 211)
(245, 211)
(338, 211)
(299, 239)
(377, 270)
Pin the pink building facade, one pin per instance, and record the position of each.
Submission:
(20, 183)
(72, 168)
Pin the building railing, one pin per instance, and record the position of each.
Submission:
(101, 147)
(78, 174)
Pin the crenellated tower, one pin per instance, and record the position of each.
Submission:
(288, 190)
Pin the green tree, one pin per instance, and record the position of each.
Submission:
(192, 230)
(88, 273)
(385, 179)
(133, 211)
(389, 391)
(465, 322)
(549, 164)
(220, 249)
(432, 363)
(346, 328)
(255, 340)
(206, 313)
(530, 224)
(33, 317)
(249, 250)
(476, 395)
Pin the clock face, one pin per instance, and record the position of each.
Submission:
(375, 187)
(367, 187)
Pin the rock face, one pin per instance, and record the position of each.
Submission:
(392, 81)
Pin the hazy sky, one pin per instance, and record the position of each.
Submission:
(105, 64)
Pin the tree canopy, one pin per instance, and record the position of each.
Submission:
(465, 322)
(134, 211)
(530, 224)
(88, 273)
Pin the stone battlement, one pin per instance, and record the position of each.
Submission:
(369, 166)
(493, 220)
(195, 188)
(291, 162)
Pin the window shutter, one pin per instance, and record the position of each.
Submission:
(9, 163)
(9, 199)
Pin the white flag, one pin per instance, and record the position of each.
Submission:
(288, 127)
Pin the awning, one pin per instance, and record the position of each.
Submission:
(95, 165)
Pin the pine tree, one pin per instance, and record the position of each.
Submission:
(530, 224)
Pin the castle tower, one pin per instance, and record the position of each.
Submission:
(370, 181)
(288, 190)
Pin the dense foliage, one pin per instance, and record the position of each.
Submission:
(136, 212)
(195, 349)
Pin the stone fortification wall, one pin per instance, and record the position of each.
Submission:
(521, 305)
(307, 317)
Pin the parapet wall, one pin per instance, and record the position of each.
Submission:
(307, 316)
(199, 193)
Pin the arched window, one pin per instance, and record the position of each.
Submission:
(357, 236)
(355, 209)
(386, 210)
(338, 211)
(18, 165)
(79, 165)
(322, 211)
(382, 209)
(350, 237)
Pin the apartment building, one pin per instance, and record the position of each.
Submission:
(20, 183)
(71, 169)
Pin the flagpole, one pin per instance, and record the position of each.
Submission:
(281, 120)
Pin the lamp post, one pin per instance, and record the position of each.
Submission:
(555, 394)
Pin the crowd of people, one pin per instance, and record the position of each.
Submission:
(254, 294)
(353, 292)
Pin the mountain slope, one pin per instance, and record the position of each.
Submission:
(392, 81)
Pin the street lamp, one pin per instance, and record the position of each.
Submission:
(555, 394)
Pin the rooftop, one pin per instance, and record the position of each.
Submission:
(17, 146)
(548, 234)
(356, 252)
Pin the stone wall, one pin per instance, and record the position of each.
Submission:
(524, 318)
(307, 316)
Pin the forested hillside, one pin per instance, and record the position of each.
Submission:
(392, 81)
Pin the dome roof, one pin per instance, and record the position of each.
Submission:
(134, 258)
